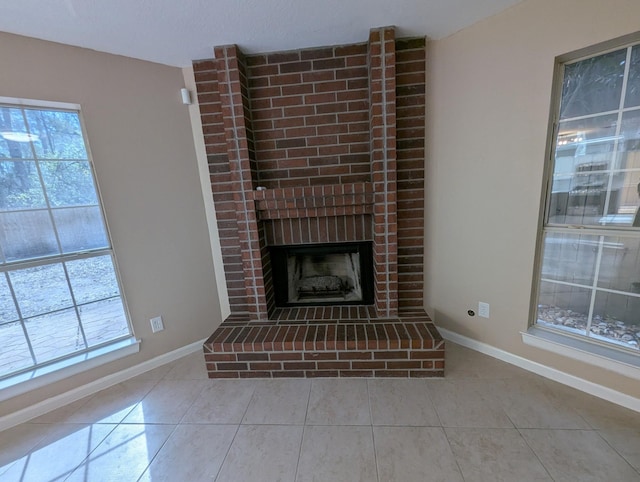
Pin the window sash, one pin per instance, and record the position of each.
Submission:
(79, 311)
(601, 232)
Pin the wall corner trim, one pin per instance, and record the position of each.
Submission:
(581, 384)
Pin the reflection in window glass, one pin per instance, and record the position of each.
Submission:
(620, 264)
(586, 185)
(630, 131)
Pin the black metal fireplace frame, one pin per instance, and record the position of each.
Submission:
(280, 254)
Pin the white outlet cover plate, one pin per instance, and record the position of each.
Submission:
(156, 324)
(483, 309)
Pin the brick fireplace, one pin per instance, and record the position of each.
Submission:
(320, 147)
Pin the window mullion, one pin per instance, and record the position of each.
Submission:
(49, 210)
(616, 143)
(32, 263)
(594, 286)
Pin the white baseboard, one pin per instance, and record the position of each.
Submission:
(581, 384)
(53, 403)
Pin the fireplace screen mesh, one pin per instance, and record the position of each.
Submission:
(322, 274)
(329, 277)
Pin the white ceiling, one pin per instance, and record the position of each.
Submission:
(175, 32)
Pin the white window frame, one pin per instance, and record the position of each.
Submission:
(51, 371)
(590, 350)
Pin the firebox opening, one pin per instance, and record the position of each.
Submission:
(325, 274)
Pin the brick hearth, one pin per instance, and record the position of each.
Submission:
(316, 146)
(408, 346)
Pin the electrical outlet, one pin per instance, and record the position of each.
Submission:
(483, 309)
(156, 324)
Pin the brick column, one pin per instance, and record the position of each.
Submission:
(232, 84)
(410, 105)
(382, 122)
(206, 77)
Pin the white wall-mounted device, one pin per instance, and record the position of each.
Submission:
(186, 96)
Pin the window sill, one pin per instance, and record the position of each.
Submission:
(42, 376)
(627, 364)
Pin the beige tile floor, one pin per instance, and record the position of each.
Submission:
(486, 420)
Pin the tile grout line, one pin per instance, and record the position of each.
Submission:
(373, 435)
(91, 424)
(615, 450)
(163, 378)
(224, 459)
(175, 427)
(444, 431)
(70, 472)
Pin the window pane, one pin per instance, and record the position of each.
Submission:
(59, 133)
(80, 229)
(15, 351)
(14, 138)
(585, 152)
(630, 131)
(620, 265)
(7, 306)
(616, 318)
(20, 186)
(585, 140)
(595, 184)
(629, 201)
(49, 208)
(564, 307)
(92, 279)
(633, 83)
(55, 335)
(570, 258)
(27, 235)
(104, 321)
(68, 183)
(593, 85)
(41, 289)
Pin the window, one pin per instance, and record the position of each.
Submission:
(589, 279)
(59, 293)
